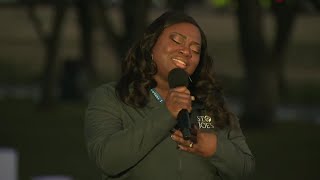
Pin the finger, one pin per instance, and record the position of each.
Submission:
(180, 94)
(182, 103)
(181, 89)
(173, 130)
(188, 148)
(180, 140)
(177, 97)
(178, 133)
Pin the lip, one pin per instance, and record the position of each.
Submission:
(180, 63)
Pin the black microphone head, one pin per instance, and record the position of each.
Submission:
(178, 77)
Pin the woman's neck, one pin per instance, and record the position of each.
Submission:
(162, 88)
(162, 91)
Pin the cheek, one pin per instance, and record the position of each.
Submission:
(168, 48)
(195, 60)
(158, 52)
(194, 63)
(162, 53)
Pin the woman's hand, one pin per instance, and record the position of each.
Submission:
(177, 99)
(206, 143)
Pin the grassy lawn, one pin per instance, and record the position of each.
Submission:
(51, 142)
(288, 151)
(48, 141)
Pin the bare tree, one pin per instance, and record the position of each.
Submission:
(263, 66)
(51, 41)
(285, 15)
(85, 19)
(134, 21)
(135, 16)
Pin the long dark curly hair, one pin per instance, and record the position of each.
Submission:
(138, 69)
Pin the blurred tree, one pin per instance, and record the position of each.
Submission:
(51, 41)
(263, 66)
(284, 14)
(85, 19)
(179, 5)
(134, 13)
(134, 22)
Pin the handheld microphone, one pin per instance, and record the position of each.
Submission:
(178, 77)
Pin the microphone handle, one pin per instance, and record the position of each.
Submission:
(184, 124)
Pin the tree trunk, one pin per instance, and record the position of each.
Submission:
(135, 21)
(85, 19)
(284, 16)
(111, 35)
(52, 42)
(260, 76)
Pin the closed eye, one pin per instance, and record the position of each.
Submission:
(196, 52)
(177, 38)
(195, 49)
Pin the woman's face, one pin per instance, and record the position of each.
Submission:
(178, 46)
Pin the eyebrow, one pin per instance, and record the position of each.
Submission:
(185, 37)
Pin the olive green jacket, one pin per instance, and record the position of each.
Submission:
(134, 143)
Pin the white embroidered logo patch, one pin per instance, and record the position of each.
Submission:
(205, 122)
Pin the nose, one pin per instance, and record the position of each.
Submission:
(186, 51)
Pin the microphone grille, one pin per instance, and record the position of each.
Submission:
(178, 77)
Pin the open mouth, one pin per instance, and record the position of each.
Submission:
(179, 63)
